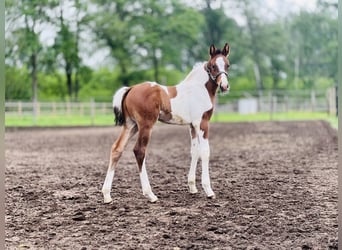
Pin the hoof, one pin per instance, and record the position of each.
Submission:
(212, 196)
(107, 200)
(106, 195)
(193, 190)
(154, 199)
(192, 187)
(209, 191)
(151, 197)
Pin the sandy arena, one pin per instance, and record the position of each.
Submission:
(275, 185)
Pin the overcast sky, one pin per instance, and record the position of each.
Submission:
(270, 9)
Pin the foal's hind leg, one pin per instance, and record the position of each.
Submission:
(140, 152)
(119, 145)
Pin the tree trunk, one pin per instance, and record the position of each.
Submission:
(296, 70)
(77, 65)
(124, 77)
(76, 85)
(257, 76)
(155, 66)
(254, 45)
(68, 72)
(34, 77)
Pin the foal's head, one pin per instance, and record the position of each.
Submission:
(218, 65)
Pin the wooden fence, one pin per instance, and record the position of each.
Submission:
(271, 102)
(92, 108)
(284, 101)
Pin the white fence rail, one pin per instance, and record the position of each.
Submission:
(283, 101)
(57, 108)
(314, 101)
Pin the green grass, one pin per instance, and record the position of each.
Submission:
(58, 120)
(76, 120)
(290, 116)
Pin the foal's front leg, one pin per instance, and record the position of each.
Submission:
(194, 160)
(200, 149)
(205, 154)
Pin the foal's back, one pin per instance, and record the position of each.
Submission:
(146, 102)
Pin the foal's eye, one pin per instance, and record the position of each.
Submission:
(213, 67)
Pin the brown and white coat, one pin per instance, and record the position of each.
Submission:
(190, 102)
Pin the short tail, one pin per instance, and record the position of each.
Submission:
(118, 98)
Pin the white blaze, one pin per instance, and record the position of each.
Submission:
(224, 80)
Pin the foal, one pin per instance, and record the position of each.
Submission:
(191, 102)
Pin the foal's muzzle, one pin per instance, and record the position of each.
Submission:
(222, 81)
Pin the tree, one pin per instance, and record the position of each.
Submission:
(167, 32)
(219, 29)
(67, 43)
(113, 27)
(30, 17)
(275, 51)
(142, 34)
(314, 36)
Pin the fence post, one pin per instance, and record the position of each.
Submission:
(331, 96)
(270, 100)
(313, 100)
(260, 102)
(35, 111)
(54, 108)
(103, 108)
(20, 109)
(81, 109)
(68, 107)
(92, 111)
(286, 104)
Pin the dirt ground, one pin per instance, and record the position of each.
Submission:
(275, 182)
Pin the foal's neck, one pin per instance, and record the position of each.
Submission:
(211, 87)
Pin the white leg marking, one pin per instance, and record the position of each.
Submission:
(115, 155)
(145, 184)
(205, 153)
(107, 185)
(192, 171)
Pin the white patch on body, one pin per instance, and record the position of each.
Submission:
(192, 99)
(153, 84)
(165, 89)
(117, 98)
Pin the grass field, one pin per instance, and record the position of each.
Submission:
(290, 116)
(103, 120)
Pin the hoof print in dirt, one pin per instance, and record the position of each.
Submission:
(79, 216)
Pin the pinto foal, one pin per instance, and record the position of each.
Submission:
(191, 102)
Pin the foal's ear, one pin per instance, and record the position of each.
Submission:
(212, 50)
(226, 50)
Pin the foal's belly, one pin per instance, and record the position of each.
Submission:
(169, 118)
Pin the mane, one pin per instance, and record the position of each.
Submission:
(197, 64)
(196, 69)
